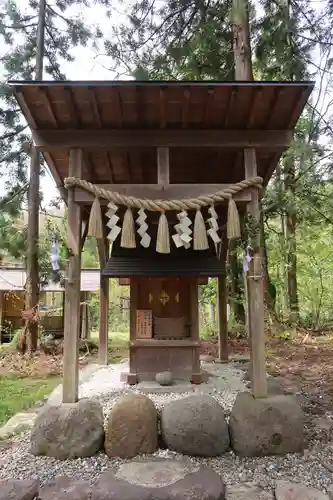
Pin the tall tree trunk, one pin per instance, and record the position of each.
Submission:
(290, 229)
(243, 72)
(235, 291)
(284, 311)
(269, 288)
(291, 216)
(32, 285)
(241, 40)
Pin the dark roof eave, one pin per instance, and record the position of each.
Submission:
(152, 83)
(163, 266)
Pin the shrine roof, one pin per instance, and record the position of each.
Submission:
(139, 261)
(69, 106)
(183, 263)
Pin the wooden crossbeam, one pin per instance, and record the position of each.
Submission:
(48, 140)
(161, 191)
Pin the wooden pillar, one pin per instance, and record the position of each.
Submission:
(84, 317)
(103, 251)
(134, 288)
(163, 168)
(255, 290)
(195, 333)
(63, 309)
(222, 306)
(72, 288)
(132, 377)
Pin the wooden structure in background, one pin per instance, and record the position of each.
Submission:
(52, 299)
(210, 135)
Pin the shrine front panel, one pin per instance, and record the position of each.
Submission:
(169, 301)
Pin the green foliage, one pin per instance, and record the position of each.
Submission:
(180, 39)
(19, 394)
(18, 34)
(90, 254)
(208, 292)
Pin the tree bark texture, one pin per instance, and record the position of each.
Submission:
(241, 40)
(32, 284)
(290, 228)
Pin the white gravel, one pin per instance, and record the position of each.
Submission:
(310, 468)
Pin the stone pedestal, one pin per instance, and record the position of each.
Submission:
(267, 426)
(68, 430)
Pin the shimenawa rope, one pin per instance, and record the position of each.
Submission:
(200, 241)
(164, 205)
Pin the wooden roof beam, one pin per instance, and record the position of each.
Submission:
(162, 108)
(109, 165)
(95, 106)
(119, 107)
(161, 191)
(49, 106)
(185, 108)
(253, 108)
(75, 116)
(49, 140)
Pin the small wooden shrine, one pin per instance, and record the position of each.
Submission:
(164, 333)
(164, 171)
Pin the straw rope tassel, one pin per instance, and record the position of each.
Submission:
(163, 236)
(233, 224)
(95, 228)
(200, 240)
(128, 231)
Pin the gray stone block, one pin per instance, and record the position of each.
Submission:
(68, 430)
(64, 488)
(267, 426)
(195, 425)
(296, 491)
(160, 480)
(18, 489)
(247, 491)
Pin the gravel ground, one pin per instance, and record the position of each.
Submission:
(313, 468)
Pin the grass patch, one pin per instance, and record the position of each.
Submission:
(117, 345)
(19, 394)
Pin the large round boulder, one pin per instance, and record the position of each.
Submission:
(195, 425)
(68, 430)
(266, 426)
(132, 427)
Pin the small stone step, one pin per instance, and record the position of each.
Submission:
(296, 491)
(247, 491)
(160, 479)
(18, 489)
(64, 488)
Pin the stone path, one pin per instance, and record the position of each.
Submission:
(101, 382)
(158, 479)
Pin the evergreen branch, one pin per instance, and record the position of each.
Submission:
(19, 26)
(51, 62)
(303, 172)
(158, 28)
(5, 201)
(65, 19)
(327, 125)
(10, 135)
(327, 219)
